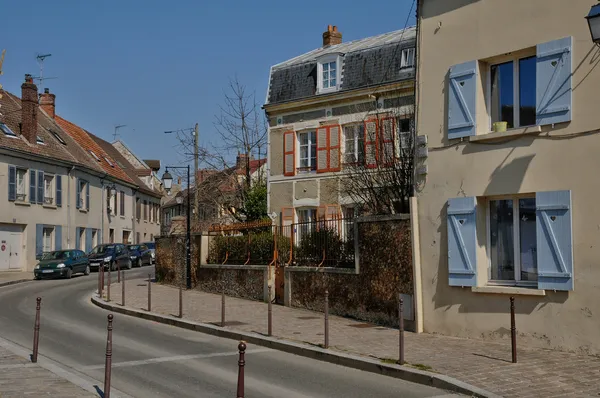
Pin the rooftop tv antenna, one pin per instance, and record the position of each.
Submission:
(40, 59)
(116, 133)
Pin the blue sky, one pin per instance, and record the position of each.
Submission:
(163, 65)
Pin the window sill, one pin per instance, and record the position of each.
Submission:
(82, 210)
(50, 206)
(18, 203)
(517, 291)
(511, 133)
(123, 217)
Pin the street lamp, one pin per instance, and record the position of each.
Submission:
(167, 181)
(593, 19)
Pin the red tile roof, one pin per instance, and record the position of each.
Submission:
(85, 140)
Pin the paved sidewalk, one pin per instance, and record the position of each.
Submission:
(539, 373)
(10, 277)
(21, 378)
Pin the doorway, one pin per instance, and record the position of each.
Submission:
(126, 237)
(11, 246)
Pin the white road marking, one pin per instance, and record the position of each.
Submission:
(175, 358)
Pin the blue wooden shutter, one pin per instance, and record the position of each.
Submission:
(87, 195)
(462, 241)
(554, 240)
(58, 237)
(88, 240)
(32, 190)
(12, 183)
(553, 81)
(77, 241)
(78, 198)
(40, 187)
(58, 190)
(462, 88)
(39, 240)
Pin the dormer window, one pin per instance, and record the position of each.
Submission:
(328, 73)
(408, 58)
(40, 140)
(8, 132)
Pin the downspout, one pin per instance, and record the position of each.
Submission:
(134, 219)
(103, 207)
(69, 175)
(268, 164)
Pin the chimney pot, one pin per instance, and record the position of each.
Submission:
(29, 109)
(332, 36)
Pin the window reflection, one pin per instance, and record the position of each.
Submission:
(502, 100)
(527, 93)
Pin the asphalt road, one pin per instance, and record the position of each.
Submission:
(155, 360)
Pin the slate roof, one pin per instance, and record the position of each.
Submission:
(366, 62)
(124, 165)
(85, 140)
(52, 148)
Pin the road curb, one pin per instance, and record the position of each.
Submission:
(308, 351)
(8, 283)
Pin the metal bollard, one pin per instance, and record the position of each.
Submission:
(181, 300)
(401, 331)
(123, 288)
(149, 292)
(513, 330)
(108, 285)
(223, 308)
(99, 287)
(108, 363)
(326, 319)
(36, 330)
(270, 315)
(241, 364)
(118, 273)
(101, 270)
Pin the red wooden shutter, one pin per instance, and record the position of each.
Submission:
(371, 143)
(335, 151)
(322, 149)
(287, 215)
(387, 133)
(289, 153)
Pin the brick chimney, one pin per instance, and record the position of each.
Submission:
(331, 36)
(240, 160)
(29, 109)
(47, 101)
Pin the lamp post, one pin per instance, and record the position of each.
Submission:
(593, 19)
(167, 181)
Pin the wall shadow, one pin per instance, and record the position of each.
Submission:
(434, 8)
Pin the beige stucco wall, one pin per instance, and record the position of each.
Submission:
(150, 228)
(456, 31)
(281, 195)
(307, 189)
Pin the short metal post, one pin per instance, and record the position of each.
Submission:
(101, 269)
(513, 330)
(108, 363)
(108, 285)
(270, 315)
(326, 319)
(223, 308)
(123, 288)
(401, 331)
(241, 364)
(99, 287)
(118, 273)
(181, 300)
(149, 292)
(36, 330)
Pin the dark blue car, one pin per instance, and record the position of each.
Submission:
(140, 255)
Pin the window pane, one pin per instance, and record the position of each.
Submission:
(527, 239)
(502, 101)
(527, 78)
(313, 151)
(303, 138)
(332, 65)
(333, 83)
(501, 240)
(325, 67)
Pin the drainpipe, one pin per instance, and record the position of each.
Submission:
(133, 219)
(103, 207)
(69, 175)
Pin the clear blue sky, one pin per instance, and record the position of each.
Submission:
(162, 65)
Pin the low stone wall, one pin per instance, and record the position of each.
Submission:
(370, 292)
(245, 281)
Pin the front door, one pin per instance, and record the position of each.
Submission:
(16, 246)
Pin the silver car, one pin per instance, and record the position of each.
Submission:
(152, 247)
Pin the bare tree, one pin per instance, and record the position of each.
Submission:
(380, 179)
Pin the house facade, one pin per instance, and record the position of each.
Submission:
(329, 110)
(506, 99)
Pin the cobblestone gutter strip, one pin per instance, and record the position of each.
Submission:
(309, 351)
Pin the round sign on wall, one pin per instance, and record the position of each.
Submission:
(3, 247)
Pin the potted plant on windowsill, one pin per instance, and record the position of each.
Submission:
(499, 127)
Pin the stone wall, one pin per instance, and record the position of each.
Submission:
(239, 281)
(385, 270)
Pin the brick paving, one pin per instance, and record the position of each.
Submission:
(21, 378)
(539, 373)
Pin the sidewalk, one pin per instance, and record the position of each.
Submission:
(10, 277)
(21, 378)
(487, 365)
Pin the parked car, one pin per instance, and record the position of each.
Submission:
(152, 248)
(140, 255)
(62, 263)
(110, 254)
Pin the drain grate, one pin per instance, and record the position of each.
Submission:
(362, 325)
(306, 318)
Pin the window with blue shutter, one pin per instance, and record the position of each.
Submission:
(32, 188)
(58, 237)
(77, 238)
(462, 242)
(39, 240)
(88, 240)
(462, 88)
(87, 195)
(78, 194)
(58, 179)
(40, 187)
(553, 81)
(554, 240)
(12, 183)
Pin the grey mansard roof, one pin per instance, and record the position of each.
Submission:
(366, 62)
